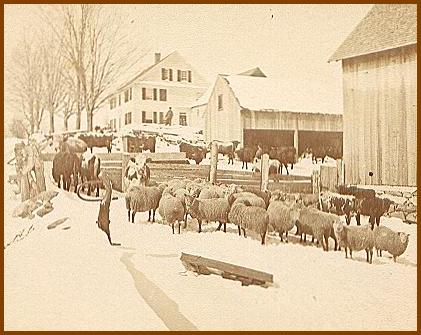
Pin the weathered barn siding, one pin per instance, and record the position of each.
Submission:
(224, 124)
(380, 113)
(290, 121)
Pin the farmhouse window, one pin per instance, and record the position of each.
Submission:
(189, 76)
(164, 74)
(163, 95)
(155, 94)
(147, 93)
(155, 117)
(113, 103)
(161, 117)
(126, 95)
(170, 74)
(128, 118)
(130, 95)
(183, 119)
(143, 116)
(220, 102)
(119, 99)
(183, 75)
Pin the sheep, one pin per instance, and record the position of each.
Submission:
(249, 217)
(393, 242)
(142, 199)
(319, 224)
(214, 209)
(282, 218)
(252, 199)
(172, 210)
(211, 192)
(308, 199)
(265, 195)
(355, 238)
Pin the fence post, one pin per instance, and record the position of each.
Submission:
(264, 181)
(213, 163)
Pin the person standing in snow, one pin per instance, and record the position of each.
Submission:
(168, 117)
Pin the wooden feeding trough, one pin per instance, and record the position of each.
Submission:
(208, 266)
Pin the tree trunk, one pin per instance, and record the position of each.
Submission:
(78, 111)
(89, 123)
(66, 123)
(51, 121)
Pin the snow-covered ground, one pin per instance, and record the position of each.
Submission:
(70, 278)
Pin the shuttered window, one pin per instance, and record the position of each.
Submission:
(147, 93)
(170, 74)
(220, 102)
(128, 118)
(178, 75)
(143, 116)
(189, 76)
(155, 94)
(155, 117)
(163, 95)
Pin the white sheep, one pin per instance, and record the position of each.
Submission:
(171, 210)
(214, 209)
(212, 191)
(393, 242)
(142, 199)
(355, 239)
(318, 224)
(282, 218)
(249, 217)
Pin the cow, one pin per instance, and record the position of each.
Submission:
(228, 149)
(141, 143)
(90, 169)
(99, 141)
(72, 144)
(285, 155)
(137, 174)
(246, 155)
(197, 153)
(66, 165)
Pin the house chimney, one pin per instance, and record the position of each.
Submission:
(157, 57)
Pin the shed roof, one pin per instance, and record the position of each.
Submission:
(386, 26)
(267, 94)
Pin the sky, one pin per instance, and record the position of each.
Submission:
(290, 43)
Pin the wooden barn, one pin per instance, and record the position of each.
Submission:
(379, 62)
(254, 109)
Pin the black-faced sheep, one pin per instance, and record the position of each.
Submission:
(171, 209)
(282, 218)
(214, 209)
(142, 199)
(249, 217)
(393, 242)
(355, 239)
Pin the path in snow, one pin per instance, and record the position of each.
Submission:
(165, 308)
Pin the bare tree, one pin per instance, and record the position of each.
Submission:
(53, 78)
(26, 86)
(94, 43)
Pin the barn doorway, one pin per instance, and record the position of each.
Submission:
(317, 139)
(269, 137)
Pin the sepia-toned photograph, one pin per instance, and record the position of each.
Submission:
(210, 167)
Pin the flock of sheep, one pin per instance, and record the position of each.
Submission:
(261, 212)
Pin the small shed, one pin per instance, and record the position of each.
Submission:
(379, 62)
(252, 108)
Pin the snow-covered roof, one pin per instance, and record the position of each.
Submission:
(267, 94)
(204, 99)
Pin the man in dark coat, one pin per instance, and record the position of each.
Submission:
(168, 117)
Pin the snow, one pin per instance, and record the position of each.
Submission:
(70, 278)
(260, 93)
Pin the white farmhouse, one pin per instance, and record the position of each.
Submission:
(146, 97)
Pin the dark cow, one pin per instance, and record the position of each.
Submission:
(342, 206)
(246, 155)
(374, 208)
(66, 165)
(141, 143)
(197, 153)
(321, 151)
(72, 144)
(285, 155)
(228, 149)
(90, 168)
(99, 141)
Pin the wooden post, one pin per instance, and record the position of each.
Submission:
(315, 180)
(296, 138)
(214, 163)
(264, 181)
(104, 207)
